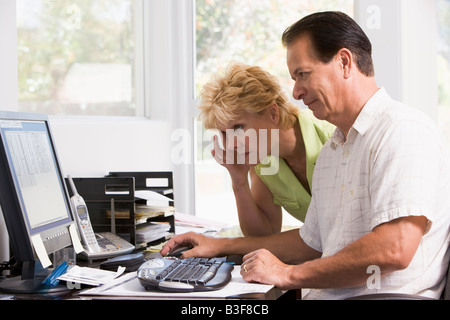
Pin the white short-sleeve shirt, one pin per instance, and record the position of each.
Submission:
(394, 164)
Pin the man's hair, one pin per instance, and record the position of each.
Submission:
(330, 32)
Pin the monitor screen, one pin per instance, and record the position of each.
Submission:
(33, 194)
(34, 170)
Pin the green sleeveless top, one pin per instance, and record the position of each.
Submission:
(287, 191)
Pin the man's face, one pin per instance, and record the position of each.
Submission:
(318, 84)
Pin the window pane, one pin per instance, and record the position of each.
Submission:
(250, 31)
(443, 65)
(76, 57)
(246, 31)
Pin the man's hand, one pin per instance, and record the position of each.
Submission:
(263, 267)
(202, 246)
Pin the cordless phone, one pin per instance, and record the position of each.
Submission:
(82, 217)
(96, 246)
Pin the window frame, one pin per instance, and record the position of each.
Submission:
(169, 68)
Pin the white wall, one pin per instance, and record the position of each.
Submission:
(420, 32)
(8, 56)
(404, 39)
(92, 147)
(8, 85)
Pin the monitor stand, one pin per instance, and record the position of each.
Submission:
(31, 281)
(30, 286)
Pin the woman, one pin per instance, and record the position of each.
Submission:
(255, 117)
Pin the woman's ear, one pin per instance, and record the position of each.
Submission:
(274, 114)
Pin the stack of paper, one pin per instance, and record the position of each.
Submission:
(151, 231)
(143, 212)
(156, 205)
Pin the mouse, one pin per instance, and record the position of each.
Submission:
(178, 251)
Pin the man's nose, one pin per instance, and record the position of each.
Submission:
(298, 92)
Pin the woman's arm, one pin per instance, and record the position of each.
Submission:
(258, 215)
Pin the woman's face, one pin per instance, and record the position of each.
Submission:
(251, 137)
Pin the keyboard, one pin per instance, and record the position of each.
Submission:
(184, 275)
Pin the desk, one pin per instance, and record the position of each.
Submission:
(131, 290)
(128, 287)
(104, 307)
(135, 292)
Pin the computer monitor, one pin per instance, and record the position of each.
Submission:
(33, 196)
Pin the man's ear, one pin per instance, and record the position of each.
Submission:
(345, 60)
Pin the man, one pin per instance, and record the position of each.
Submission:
(380, 211)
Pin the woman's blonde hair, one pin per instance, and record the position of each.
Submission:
(243, 89)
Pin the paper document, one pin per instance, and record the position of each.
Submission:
(153, 198)
(40, 250)
(75, 239)
(128, 286)
(186, 223)
(90, 276)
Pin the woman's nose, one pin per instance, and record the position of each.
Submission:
(230, 140)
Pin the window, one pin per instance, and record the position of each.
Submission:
(443, 65)
(250, 32)
(77, 57)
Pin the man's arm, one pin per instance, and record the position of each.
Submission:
(287, 246)
(390, 246)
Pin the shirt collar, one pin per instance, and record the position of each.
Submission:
(373, 107)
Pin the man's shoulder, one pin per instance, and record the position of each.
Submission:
(407, 119)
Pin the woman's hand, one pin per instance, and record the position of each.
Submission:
(238, 172)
